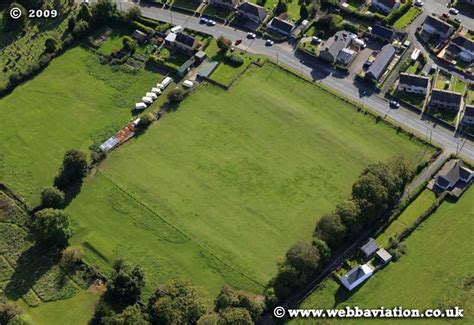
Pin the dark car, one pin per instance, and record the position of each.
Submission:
(394, 104)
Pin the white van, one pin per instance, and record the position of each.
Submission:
(151, 95)
(176, 29)
(157, 91)
(187, 83)
(165, 83)
(140, 106)
(147, 100)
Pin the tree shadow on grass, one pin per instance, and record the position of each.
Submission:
(71, 192)
(31, 266)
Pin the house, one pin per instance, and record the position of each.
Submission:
(283, 27)
(453, 172)
(252, 12)
(461, 48)
(386, 6)
(346, 56)
(231, 4)
(433, 26)
(383, 33)
(369, 248)
(446, 99)
(468, 115)
(139, 36)
(411, 83)
(356, 276)
(330, 49)
(199, 57)
(182, 42)
(381, 62)
(383, 256)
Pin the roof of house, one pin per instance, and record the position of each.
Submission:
(283, 25)
(451, 171)
(453, 49)
(414, 80)
(437, 24)
(446, 96)
(464, 42)
(253, 9)
(388, 3)
(469, 111)
(369, 247)
(356, 273)
(339, 41)
(186, 39)
(383, 255)
(381, 61)
(383, 32)
(345, 55)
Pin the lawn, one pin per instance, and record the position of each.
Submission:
(442, 81)
(187, 4)
(432, 274)
(406, 219)
(293, 8)
(218, 190)
(218, 11)
(74, 103)
(457, 85)
(416, 100)
(407, 18)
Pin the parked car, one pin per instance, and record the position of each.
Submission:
(316, 40)
(211, 22)
(203, 20)
(453, 11)
(269, 42)
(237, 42)
(251, 35)
(419, 3)
(394, 104)
(445, 15)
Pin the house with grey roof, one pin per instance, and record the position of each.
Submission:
(182, 42)
(356, 276)
(453, 172)
(252, 12)
(434, 26)
(446, 99)
(386, 6)
(381, 62)
(383, 256)
(330, 49)
(383, 33)
(461, 48)
(230, 4)
(369, 248)
(412, 83)
(468, 115)
(281, 26)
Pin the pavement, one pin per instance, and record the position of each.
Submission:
(440, 7)
(285, 54)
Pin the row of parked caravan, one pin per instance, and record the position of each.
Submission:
(153, 94)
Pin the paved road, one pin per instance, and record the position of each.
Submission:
(439, 7)
(285, 54)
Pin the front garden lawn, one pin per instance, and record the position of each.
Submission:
(73, 103)
(433, 273)
(219, 189)
(407, 18)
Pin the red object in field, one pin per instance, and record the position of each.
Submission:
(237, 42)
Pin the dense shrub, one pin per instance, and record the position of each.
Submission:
(71, 257)
(230, 298)
(176, 95)
(125, 284)
(52, 226)
(52, 197)
(235, 60)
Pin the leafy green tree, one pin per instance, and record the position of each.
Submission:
(133, 14)
(52, 197)
(350, 214)
(126, 283)
(73, 169)
(51, 45)
(231, 298)
(51, 225)
(304, 13)
(129, 44)
(8, 311)
(71, 23)
(323, 249)
(286, 281)
(104, 10)
(10, 24)
(176, 302)
(176, 95)
(85, 12)
(208, 319)
(232, 316)
(330, 229)
(371, 195)
(224, 44)
(304, 257)
(71, 257)
(80, 28)
(281, 7)
(132, 315)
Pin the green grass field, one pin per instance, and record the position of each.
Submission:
(74, 103)
(217, 191)
(406, 219)
(407, 18)
(436, 272)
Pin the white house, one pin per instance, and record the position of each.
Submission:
(356, 276)
(252, 11)
(386, 6)
(411, 83)
(451, 173)
(283, 27)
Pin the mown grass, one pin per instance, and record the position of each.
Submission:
(436, 272)
(218, 190)
(293, 8)
(74, 103)
(406, 219)
(407, 18)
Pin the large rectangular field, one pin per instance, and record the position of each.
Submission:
(436, 272)
(71, 104)
(218, 190)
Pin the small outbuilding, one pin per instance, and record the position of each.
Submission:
(369, 248)
(383, 256)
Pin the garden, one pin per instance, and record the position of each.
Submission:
(405, 20)
(211, 182)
